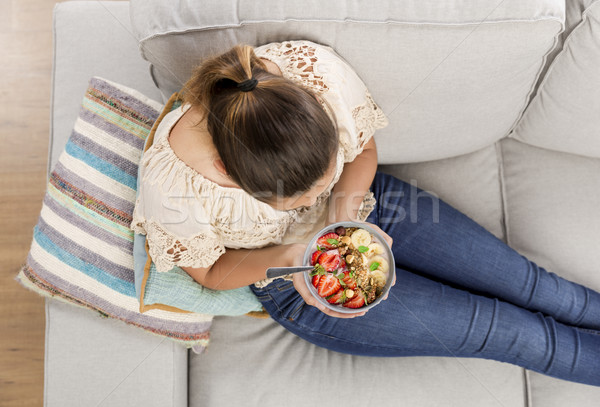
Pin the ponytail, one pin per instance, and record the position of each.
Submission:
(273, 135)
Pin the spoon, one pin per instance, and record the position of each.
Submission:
(273, 272)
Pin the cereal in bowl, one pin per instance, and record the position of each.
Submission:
(350, 267)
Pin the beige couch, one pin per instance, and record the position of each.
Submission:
(493, 106)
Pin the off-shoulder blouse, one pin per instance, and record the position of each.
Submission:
(197, 220)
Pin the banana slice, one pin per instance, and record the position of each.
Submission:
(379, 277)
(383, 263)
(365, 259)
(374, 249)
(360, 237)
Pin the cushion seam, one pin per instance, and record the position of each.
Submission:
(556, 60)
(46, 349)
(528, 397)
(386, 22)
(529, 98)
(52, 94)
(48, 170)
(173, 374)
(503, 198)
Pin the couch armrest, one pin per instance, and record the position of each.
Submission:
(90, 360)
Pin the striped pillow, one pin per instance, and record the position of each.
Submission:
(82, 249)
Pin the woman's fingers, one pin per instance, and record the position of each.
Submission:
(387, 237)
(309, 299)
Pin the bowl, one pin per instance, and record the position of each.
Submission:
(312, 246)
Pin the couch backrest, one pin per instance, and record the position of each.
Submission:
(452, 76)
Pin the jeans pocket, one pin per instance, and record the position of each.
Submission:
(294, 312)
(288, 301)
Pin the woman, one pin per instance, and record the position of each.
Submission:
(269, 146)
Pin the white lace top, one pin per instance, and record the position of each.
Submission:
(196, 220)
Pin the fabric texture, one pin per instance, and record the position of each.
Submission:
(452, 78)
(82, 246)
(197, 229)
(266, 347)
(461, 292)
(564, 114)
(552, 201)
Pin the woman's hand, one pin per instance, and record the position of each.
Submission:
(300, 285)
(296, 253)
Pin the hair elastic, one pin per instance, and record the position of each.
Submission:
(247, 85)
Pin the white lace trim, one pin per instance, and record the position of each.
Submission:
(298, 61)
(368, 117)
(167, 251)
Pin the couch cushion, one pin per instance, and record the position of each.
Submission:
(552, 216)
(292, 366)
(91, 39)
(564, 115)
(266, 365)
(546, 391)
(470, 183)
(94, 361)
(573, 15)
(452, 77)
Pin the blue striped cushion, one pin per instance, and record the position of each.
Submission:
(82, 248)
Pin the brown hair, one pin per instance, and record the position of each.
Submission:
(274, 140)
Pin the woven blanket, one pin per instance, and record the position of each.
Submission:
(82, 248)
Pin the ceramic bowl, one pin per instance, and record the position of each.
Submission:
(312, 246)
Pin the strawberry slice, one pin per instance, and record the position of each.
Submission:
(328, 285)
(355, 302)
(330, 260)
(315, 280)
(349, 281)
(337, 298)
(322, 241)
(315, 257)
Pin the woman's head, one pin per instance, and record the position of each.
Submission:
(276, 141)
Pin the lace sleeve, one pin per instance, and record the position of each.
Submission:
(168, 251)
(320, 69)
(168, 248)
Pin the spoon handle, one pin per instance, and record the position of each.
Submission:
(273, 272)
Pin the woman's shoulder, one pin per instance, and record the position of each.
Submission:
(191, 143)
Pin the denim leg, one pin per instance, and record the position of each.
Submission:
(434, 239)
(423, 317)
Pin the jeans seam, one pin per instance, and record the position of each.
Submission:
(308, 329)
(296, 311)
(284, 287)
(338, 339)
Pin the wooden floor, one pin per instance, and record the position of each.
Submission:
(25, 67)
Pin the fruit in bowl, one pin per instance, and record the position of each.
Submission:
(351, 266)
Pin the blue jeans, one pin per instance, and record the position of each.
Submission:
(461, 292)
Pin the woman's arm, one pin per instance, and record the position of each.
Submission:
(348, 193)
(240, 267)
